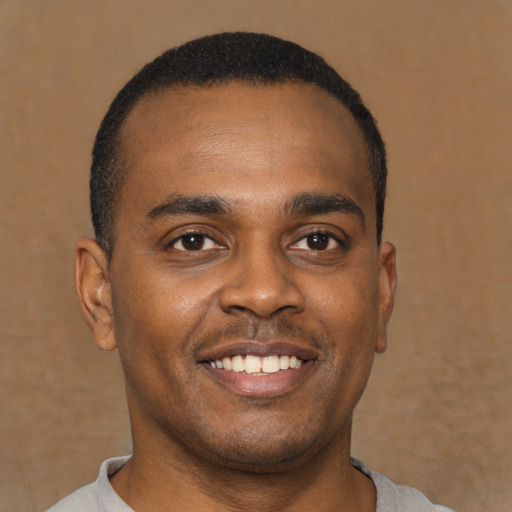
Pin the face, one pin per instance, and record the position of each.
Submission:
(246, 290)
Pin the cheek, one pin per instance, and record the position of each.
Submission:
(158, 296)
(156, 315)
(154, 321)
(348, 313)
(347, 303)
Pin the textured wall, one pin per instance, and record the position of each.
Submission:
(436, 74)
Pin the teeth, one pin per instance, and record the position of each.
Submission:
(256, 365)
(270, 364)
(253, 364)
(294, 362)
(237, 364)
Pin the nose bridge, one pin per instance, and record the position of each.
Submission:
(261, 281)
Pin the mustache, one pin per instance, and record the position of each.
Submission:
(260, 330)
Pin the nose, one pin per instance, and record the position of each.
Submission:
(263, 284)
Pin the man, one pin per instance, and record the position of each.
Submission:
(237, 195)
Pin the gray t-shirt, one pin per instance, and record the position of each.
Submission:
(101, 497)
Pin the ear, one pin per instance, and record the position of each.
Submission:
(387, 287)
(94, 291)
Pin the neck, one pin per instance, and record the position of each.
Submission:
(172, 479)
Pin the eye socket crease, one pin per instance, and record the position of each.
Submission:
(301, 205)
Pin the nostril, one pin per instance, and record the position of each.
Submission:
(260, 305)
(261, 283)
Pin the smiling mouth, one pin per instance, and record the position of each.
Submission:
(256, 365)
(260, 369)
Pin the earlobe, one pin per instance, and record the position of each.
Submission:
(387, 287)
(94, 291)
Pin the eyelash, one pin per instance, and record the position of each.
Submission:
(206, 237)
(197, 233)
(323, 232)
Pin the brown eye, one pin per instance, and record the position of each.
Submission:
(318, 241)
(193, 242)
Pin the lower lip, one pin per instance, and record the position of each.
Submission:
(262, 386)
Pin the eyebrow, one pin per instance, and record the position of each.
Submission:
(198, 205)
(303, 204)
(320, 204)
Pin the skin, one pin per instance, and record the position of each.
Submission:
(269, 274)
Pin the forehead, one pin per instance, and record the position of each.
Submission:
(184, 138)
(237, 108)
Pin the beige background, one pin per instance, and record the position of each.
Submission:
(437, 75)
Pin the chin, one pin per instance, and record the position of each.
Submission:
(258, 451)
(275, 461)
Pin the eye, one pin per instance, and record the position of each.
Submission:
(317, 241)
(193, 242)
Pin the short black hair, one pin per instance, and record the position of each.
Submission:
(258, 59)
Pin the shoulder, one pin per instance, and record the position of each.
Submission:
(85, 499)
(397, 498)
(98, 496)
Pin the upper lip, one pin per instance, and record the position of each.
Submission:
(259, 348)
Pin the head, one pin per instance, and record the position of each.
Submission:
(241, 193)
(219, 59)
